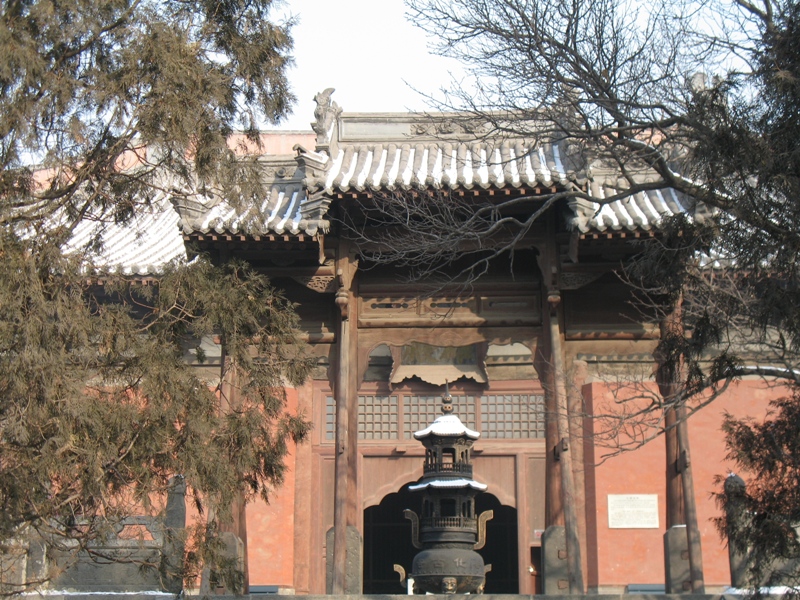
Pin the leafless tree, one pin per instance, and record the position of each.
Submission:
(699, 97)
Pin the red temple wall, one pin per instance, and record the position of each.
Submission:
(618, 557)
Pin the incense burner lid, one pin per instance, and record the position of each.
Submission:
(447, 426)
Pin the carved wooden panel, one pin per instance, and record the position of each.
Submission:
(501, 309)
(449, 308)
(499, 416)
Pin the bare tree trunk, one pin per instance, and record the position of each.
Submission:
(674, 481)
(554, 503)
(577, 410)
(230, 401)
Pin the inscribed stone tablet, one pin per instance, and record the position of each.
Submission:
(633, 511)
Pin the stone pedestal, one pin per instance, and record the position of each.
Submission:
(555, 570)
(354, 568)
(676, 561)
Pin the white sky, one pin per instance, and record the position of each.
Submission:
(368, 51)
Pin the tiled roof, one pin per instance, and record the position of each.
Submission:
(446, 164)
(366, 153)
(643, 211)
(140, 247)
(279, 212)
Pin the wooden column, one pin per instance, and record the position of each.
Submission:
(523, 516)
(577, 412)
(345, 404)
(552, 313)
(681, 505)
(304, 488)
(353, 511)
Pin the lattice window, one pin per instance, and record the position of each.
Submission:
(421, 411)
(512, 416)
(330, 418)
(377, 417)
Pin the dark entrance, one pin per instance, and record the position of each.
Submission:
(387, 541)
(500, 550)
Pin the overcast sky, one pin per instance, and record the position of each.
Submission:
(368, 51)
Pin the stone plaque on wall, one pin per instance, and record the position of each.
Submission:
(633, 511)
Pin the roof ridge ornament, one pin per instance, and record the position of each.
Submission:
(325, 114)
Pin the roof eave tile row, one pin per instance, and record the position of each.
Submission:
(442, 165)
(640, 211)
(139, 248)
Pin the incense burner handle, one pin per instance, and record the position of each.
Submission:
(414, 518)
(485, 516)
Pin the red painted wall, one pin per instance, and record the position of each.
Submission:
(618, 557)
(270, 528)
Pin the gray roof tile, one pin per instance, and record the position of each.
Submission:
(138, 248)
(371, 153)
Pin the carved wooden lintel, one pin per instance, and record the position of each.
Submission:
(574, 281)
(323, 284)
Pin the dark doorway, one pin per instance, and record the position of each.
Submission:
(387, 541)
(500, 550)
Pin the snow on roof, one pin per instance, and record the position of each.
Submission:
(377, 152)
(142, 246)
(447, 426)
(448, 484)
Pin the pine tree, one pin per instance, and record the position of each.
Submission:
(107, 106)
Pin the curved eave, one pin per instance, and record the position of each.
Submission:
(447, 426)
(442, 484)
(284, 210)
(640, 212)
(138, 248)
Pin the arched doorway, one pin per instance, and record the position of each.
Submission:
(387, 541)
(500, 550)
